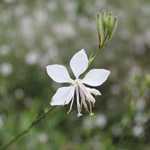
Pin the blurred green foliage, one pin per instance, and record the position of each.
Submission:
(35, 33)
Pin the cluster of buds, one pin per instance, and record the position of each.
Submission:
(106, 25)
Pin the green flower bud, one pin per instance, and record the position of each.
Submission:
(106, 26)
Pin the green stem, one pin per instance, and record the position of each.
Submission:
(92, 58)
(24, 132)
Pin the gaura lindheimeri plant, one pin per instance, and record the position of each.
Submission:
(79, 88)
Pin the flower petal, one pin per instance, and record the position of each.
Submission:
(96, 77)
(58, 73)
(63, 96)
(79, 63)
(93, 91)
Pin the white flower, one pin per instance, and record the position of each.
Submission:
(32, 57)
(78, 87)
(64, 30)
(138, 130)
(6, 69)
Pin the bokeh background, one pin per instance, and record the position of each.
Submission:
(34, 33)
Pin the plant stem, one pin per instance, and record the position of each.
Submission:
(92, 58)
(24, 132)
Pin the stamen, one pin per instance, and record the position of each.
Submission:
(89, 97)
(90, 106)
(71, 106)
(83, 100)
(92, 114)
(78, 103)
(79, 115)
(87, 93)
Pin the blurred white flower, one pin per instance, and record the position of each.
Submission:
(52, 54)
(70, 9)
(64, 30)
(84, 95)
(138, 130)
(43, 137)
(140, 118)
(27, 28)
(9, 1)
(85, 23)
(140, 105)
(32, 57)
(19, 10)
(145, 9)
(101, 120)
(100, 4)
(6, 69)
(4, 50)
(41, 17)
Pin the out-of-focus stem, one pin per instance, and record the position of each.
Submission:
(33, 124)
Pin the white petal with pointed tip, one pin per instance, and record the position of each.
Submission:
(58, 73)
(94, 91)
(96, 77)
(63, 96)
(79, 63)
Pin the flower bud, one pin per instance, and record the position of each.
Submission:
(106, 26)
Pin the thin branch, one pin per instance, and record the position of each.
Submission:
(92, 58)
(21, 134)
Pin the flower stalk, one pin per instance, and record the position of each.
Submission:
(24, 132)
